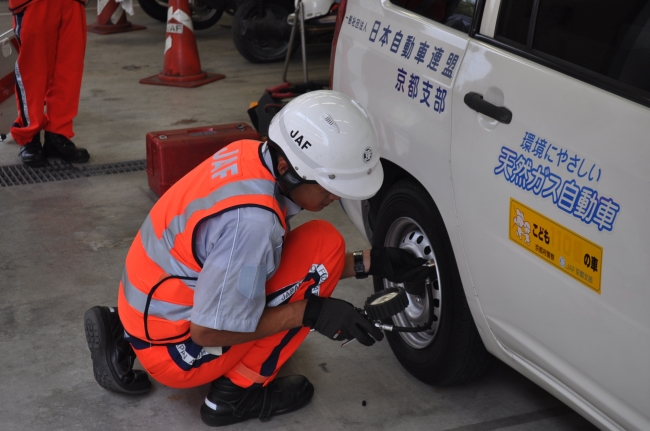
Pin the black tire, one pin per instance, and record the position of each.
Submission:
(202, 16)
(155, 9)
(452, 352)
(258, 48)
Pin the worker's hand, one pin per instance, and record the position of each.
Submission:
(339, 320)
(398, 265)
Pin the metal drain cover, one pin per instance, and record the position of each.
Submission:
(58, 170)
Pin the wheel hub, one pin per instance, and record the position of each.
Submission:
(407, 234)
(201, 11)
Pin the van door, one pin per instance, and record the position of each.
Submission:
(552, 202)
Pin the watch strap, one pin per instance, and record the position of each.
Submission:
(359, 267)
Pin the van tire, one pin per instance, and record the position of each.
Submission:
(453, 353)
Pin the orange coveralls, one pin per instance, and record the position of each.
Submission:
(52, 38)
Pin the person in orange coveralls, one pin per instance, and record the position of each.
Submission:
(52, 38)
(217, 287)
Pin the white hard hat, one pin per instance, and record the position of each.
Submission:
(329, 138)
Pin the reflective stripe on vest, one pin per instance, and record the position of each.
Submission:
(162, 309)
(157, 288)
(158, 249)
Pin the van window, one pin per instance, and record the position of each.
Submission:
(514, 21)
(457, 14)
(609, 38)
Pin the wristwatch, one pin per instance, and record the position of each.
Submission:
(359, 267)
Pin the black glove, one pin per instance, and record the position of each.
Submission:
(339, 320)
(398, 265)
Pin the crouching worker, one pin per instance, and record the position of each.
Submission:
(216, 288)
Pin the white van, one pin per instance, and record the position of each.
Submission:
(515, 137)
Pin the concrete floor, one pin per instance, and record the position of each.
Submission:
(64, 244)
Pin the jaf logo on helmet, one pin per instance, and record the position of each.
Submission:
(299, 139)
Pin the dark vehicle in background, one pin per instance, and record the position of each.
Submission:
(261, 29)
(205, 13)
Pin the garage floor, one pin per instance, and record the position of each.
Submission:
(64, 243)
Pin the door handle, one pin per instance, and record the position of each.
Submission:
(499, 113)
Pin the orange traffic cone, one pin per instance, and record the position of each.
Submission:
(182, 64)
(111, 18)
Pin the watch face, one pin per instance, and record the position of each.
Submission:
(358, 262)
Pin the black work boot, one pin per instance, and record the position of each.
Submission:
(112, 355)
(59, 146)
(228, 403)
(32, 153)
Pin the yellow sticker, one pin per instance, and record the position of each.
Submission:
(564, 249)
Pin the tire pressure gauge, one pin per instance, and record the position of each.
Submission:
(386, 303)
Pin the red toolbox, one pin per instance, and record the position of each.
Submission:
(173, 153)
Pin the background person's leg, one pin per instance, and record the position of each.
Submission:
(62, 98)
(37, 31)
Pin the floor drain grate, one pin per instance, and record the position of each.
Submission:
(58, 170)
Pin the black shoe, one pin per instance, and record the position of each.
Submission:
(228, 403)
(112, 355)
(32, 153)
(59, 146)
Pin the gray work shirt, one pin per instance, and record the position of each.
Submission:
(240, 250)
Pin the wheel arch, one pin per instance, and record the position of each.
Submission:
(393, 173)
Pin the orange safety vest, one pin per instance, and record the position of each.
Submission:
(156, 295)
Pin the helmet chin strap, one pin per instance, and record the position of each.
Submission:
(290, 180)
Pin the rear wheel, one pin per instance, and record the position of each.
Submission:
(260, 30)
(156, 9)
(203, 16)
(451, 352)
